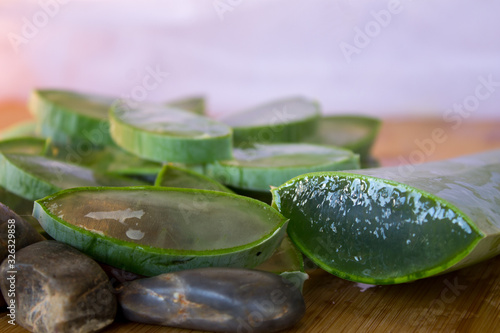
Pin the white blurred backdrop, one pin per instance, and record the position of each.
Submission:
(386, 58)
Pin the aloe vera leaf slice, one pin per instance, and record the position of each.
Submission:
(396, 224)
(71, 117)
(152, 230)
(194, 104)
(266, 165)
(288, 262)
(23, 145)
(33, 177)
(286, 258)
(164, 134)
(174, 176)
(264, 196)
(15, 202)
(286, 120)
(23, 129)
(356, 133)
(108, 159)
(21, 207)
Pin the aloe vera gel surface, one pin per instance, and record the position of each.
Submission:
(153, 230)
(385, 226)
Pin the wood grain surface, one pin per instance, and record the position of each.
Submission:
(467, 300)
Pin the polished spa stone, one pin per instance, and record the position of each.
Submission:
(214, 299)
(57, 289)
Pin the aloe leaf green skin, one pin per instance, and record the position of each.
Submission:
(22, 129)
(108, 159)
(194, 104)
(18, 204)
(153, 230)
(356, 133)
(288, 262)
(286, 120)
(174, 176)
(266, 165)
(165, 134)
(34, 177)
(286, 258)
(396, 224)
(70, 117)
(23, 145)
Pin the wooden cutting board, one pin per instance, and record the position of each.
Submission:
(464, 301)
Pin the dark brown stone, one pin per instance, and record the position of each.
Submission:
(214, 299)
(57, 289)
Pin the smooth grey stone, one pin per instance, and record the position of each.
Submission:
(214, 299)
(58, 289)
(24, 233)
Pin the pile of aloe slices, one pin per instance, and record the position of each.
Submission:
(155, 188)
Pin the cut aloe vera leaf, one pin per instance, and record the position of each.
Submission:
(173, 176)
(24, 145)
(17, 203)
(70, 117)
(22, 129)
(194, 104)
(264, 196)
(356, 133)
(34, 177)
(369, 162)
(21, 206)
(286, 258)
(164, 134)
(288, 262)
(287, 120)
(266, 165)
(396, 224)
(108, 159)
(152, 230)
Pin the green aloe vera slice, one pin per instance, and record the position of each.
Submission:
(288, 262)
(396, 224)
(173, 176)
(164, 134)
(33, 177)
(71, 117)
(22, 129)
(287, 120)
(356, 133)
(152, 230)
(108, 159)
(194, 104)
(266, 165)
(23, 145)
(286, 258)
(18, 204)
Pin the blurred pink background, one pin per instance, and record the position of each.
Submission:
(384, 58)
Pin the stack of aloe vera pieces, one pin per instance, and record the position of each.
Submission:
(153, 188)
(88, 162)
